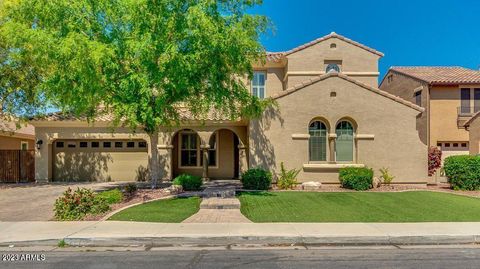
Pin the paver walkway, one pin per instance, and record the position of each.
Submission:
(218, 210)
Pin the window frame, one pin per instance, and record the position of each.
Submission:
(199, 151)
(252, 86)
(22, 143)
(327, 153)
(418, 98)
(354, 153)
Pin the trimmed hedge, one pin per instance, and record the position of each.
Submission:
(359, 179)
(256, 179)
(463, 172)
(188, 182)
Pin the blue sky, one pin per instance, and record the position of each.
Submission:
(422, 32)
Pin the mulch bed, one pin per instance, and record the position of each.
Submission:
(140, 196)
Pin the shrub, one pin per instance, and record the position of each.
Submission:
(359, 179)
(130, 189)
(188, 182)
(111, 196)
(74, 205)
(256, 179)
(463, 172)
(434, 160)
(287, 179)
(385, 175)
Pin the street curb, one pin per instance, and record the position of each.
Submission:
(256, 240)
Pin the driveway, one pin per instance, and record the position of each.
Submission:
(34, 202)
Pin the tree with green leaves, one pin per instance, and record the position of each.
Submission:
(142, 61)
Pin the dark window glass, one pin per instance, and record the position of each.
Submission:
(455, 145)
(107, 144)
(465, 102)
(439, 144)
(83, 144)
(333, 67)
(447, 145)
(60, 144)
(95, 144)
(189, 149)
(418, 98)
(118, 144)
(130, 144)
(71, 145)
(476, 96)
(464, 145)
(142, 144)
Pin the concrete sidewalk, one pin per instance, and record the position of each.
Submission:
(113, 233)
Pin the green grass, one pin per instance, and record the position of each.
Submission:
(414, 206)
(172, 211)
(111, 196)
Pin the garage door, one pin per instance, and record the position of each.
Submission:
(99, 160)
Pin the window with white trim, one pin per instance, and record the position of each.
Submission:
(317, 142)
(258, 84)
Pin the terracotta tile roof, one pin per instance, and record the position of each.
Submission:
(333, 35)
(277, 56)
(185, 115)
(340, 75)
(440, 75)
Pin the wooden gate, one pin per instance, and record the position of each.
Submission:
(17, 166)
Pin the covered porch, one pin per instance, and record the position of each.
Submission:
(211, 152)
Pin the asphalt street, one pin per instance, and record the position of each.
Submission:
(256, 258)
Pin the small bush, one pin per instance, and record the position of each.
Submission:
(434, 160)
(130, 189)
(256, 179)
(359, 179)
(463, 172)
(385, 175)
(74, 205)
(188, 182)
(111, 196)
(287, 179)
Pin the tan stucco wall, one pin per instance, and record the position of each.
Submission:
(444, 102)
(405, 87)
(396, 143)
(9, 142)
(354, 59)
(474, 131)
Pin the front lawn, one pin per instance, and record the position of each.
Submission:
(172, 211)
(414, 206)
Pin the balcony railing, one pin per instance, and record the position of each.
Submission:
(467, 110)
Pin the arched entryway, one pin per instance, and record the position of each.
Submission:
(221, 148)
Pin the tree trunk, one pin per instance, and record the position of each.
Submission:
(153, 159)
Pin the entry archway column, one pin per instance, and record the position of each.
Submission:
(242, 159)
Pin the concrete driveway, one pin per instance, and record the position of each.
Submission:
(34, 202)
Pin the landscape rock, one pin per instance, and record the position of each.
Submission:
(311, 186)
(376, 182)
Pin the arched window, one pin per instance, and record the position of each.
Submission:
(333, 67)
(344, 142)
(318, 141)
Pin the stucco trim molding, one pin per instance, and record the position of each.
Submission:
(331, 136)
(322, 166)
(300, 136)
(165, 146)
(365, 136)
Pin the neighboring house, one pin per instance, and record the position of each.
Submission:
(14, 135)
(330, 115)
(450, 96)
(473, 127)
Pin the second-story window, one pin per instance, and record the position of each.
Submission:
(418, 98)
(333, 68)
(258, 84)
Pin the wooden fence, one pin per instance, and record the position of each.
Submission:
(17, 166)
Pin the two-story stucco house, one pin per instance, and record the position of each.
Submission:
(330, 114)
(450, 96)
